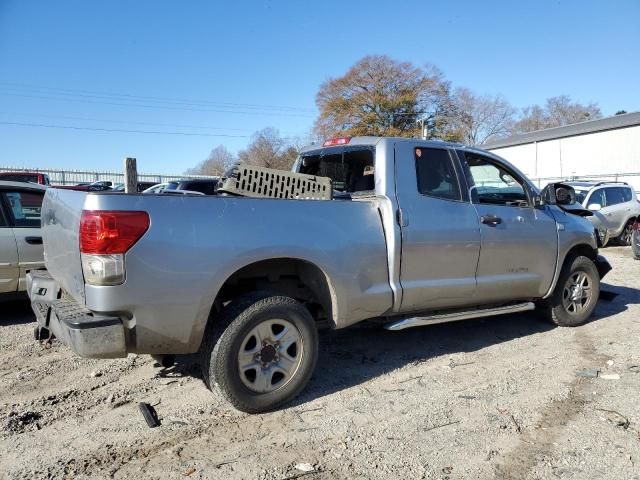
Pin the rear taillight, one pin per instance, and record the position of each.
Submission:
(105, 236)
(111, 231)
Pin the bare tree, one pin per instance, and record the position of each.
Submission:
(381, 96)
(557, 112)
(218, 161)
(268, 149)
(533, 118)
(480, 118)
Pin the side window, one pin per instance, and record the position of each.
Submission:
(493, 184)
(626, 194)
(597, 197)
(24, 207)
(436, 174)
(614, 196)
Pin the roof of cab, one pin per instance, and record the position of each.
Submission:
(372, 141)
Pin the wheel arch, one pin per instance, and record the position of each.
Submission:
(582, 249)
(579, 249)
(300, 279)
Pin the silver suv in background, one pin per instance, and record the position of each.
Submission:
(614, 204)
(20, 239)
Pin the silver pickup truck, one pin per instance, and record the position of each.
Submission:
(416, 233)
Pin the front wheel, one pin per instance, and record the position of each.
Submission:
(576, 293)
(266, 354)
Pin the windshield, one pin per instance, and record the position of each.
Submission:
(581, 195)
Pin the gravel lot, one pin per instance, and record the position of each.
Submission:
(492, 398)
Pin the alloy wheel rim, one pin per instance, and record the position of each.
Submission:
(270, 355)
(577, 293)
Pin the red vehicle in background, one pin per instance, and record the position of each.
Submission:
(28, 177)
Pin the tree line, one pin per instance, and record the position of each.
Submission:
(382, 96)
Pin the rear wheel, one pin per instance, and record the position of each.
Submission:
(263, 352)
(576, 293)
(624, 238)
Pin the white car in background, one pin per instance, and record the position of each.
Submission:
(20, 238)
(166, 189)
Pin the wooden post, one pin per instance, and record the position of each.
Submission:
(130, 175)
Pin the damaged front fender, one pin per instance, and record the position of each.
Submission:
(603, 266)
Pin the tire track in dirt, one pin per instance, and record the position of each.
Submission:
(538, 442)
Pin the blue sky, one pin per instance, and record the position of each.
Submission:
(231, 68)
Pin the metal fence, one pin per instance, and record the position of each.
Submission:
(73, 177)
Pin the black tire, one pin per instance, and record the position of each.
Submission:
(624, 239)
(224, 341)
(555, 308)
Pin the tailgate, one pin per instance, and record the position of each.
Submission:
(61, 211)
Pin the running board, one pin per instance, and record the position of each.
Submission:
(460, 315)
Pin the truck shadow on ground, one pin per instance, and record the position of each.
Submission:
(13, 312)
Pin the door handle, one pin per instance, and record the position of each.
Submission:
(490, 220)
(33, 240)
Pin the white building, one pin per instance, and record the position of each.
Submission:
(605, 149)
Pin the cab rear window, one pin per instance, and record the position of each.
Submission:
(351, 171)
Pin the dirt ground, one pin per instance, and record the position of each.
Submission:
(493, 398)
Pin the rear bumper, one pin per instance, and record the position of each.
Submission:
(87, 333)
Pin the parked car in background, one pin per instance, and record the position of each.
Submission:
(142, 186)
(156, 188)
(161, 189)
(31, 177)
(180, 192)
(20, 238)
(99, 186)
(207, 186)
(615, 205)
(635, 239)
(405, 231)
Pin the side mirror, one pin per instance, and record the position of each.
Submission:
(565, 195)
(558, 194)
(594, 207)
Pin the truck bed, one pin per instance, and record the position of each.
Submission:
(195, 243)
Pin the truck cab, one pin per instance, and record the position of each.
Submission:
(469, 226)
